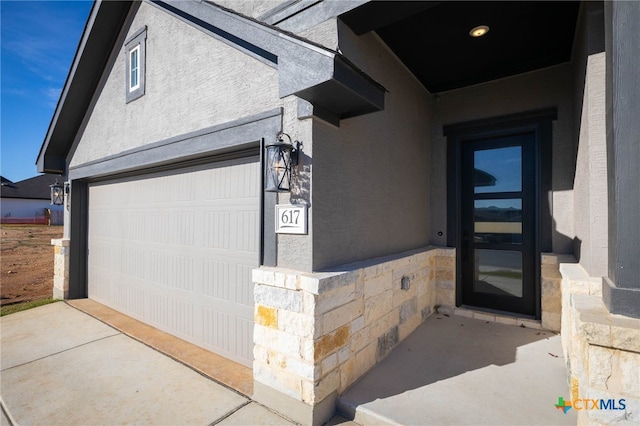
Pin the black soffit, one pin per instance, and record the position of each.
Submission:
(433, 41)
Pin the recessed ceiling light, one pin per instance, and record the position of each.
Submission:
(479, 31)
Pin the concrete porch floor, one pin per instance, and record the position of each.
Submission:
(455, 370)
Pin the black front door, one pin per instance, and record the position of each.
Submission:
(498, 223)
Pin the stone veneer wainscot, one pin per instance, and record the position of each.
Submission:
(315, 334)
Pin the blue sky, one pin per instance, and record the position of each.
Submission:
(39, 40)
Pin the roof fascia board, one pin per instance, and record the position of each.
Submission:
(286, 10)
(300, 20)
(106, 72)
(81, 82)
(41, 162)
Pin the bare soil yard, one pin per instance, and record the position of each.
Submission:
(26, 260)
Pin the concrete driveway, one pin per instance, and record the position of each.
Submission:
(62, 366)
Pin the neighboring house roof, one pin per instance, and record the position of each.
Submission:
(5, 181)
(37, 187)
(319, 75)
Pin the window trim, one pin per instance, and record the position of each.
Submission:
(137, 42)
(134, 69)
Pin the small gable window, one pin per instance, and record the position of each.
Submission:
(135, 61)
(134, 69)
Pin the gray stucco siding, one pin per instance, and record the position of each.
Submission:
(371, 175)
(193, 81)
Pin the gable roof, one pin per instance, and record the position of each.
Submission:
(33, 188)
(315, 73)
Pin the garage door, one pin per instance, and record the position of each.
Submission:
(176, 250)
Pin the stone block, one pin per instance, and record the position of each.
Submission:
(551, 321)
(294, 366)
(387, 342)
(266, 315)
(442, 262)
(298, 324)
(347, 374)
(551, 303)
(329, 364)
(284, 343)
(260, 353)
(409, 270)
(376, 307)
(342, 316)
(445, 297)
(599, 366)
(383, 324)
(309, 284)
(331, 342)
(279, 380)
(322, 388)
(307, 349)
(626, 368)
(61, 283)
(335, 298)
(344, 354)
(276, 297)
(444, 275)
(365, 359)
(593, 330)
(360, 339)
(309, 301)
(378, 284)
(423, 286)
(625, 334)
(357, 324)
(550, 271)
(337, 280)
(375, 270)
(407, 310)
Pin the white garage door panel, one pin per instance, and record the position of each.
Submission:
(176, 251)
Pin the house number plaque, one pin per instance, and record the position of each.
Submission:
(291, 219)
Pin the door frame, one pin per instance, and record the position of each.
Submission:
(540, 124)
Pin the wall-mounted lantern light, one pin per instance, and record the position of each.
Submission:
(57, 193)
(281, 156)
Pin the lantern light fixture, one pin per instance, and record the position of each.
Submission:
(57, 193)
(281, 156)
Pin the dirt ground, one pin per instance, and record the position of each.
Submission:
(26, 260)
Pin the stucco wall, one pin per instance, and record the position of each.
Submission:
(371, 176)
(193, 81)
(590, 182)
(546, 88)
(25, 208)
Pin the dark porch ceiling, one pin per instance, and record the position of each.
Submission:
(433, 41)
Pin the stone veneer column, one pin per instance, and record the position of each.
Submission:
(315, 334)
(60, 268)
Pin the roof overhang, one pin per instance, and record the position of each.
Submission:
(432, 38)
(313, 72)
(100, 33)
